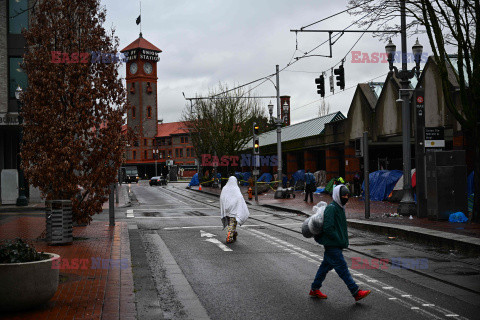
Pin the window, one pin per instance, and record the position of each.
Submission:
(17, 76)
(134, 112)
(178, 153)
(184, 140)
(145, 142)
(169, 141)
(134, 154)
(145, 154)
(149, 112)
(18, 16)
(169, 153)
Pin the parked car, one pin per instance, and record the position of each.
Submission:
(158, 181)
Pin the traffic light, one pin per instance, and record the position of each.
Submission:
(320, 85)
(256, 146)
(255, 129)
(340, 76)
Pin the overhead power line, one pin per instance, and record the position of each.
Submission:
(266, 78)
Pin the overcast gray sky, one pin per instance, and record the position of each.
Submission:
(207, 42)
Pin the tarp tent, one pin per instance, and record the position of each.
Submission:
(194, 181)
(298, 180)
(299, 176)
(243, 177)
(329, 186)
(382, 183)
(397, 192)
(266, 177)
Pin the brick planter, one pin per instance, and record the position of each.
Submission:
(28, 284)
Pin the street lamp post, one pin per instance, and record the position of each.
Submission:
(407, 204)
(22, 199)
(278, 121)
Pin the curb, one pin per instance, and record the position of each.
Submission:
(439, 239)
(5, 209)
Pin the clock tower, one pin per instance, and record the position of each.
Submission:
(141, 77)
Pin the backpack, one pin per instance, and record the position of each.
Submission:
(313, 225)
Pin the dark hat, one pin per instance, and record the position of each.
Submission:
(344, 191)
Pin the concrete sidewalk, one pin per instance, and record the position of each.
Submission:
(453, 236)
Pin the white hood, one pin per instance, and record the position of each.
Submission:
(232, 203)
(336, 196)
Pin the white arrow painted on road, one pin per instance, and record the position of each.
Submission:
(214, 240)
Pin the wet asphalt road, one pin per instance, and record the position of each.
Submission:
(267, 273)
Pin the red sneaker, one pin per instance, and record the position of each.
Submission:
(361, 294)
(318, 294)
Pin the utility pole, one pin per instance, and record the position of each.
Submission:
(279, 129)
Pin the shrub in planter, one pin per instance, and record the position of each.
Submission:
(18, 251)
(26, 276)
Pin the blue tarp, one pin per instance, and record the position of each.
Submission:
(266, 177)
(194, 181)
(470, 186)
(382, 183)
(320, 190)
(299, 175)
(457, 217)
(243, 176)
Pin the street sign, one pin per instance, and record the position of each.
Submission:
(169, 162)
(434, 137)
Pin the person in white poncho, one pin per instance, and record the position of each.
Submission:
(233, 208)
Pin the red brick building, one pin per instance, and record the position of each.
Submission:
(156, 142)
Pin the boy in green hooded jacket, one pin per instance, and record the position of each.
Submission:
(335, 238)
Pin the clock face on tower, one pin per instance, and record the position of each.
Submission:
(147, 67)
(133, 68)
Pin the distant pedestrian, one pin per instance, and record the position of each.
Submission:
(233, 208)
(335, 238)
(309, 185)
(356, 184)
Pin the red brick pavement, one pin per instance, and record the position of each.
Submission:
(355, 209)
(86, 292)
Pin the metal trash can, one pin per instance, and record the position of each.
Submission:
(59, 222)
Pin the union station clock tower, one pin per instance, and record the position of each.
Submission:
(141, 78)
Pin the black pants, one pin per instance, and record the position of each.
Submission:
(309, 191)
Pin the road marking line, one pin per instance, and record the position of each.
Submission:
(219, 244)
(387, 288)
(373, 283)
(130, 213)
